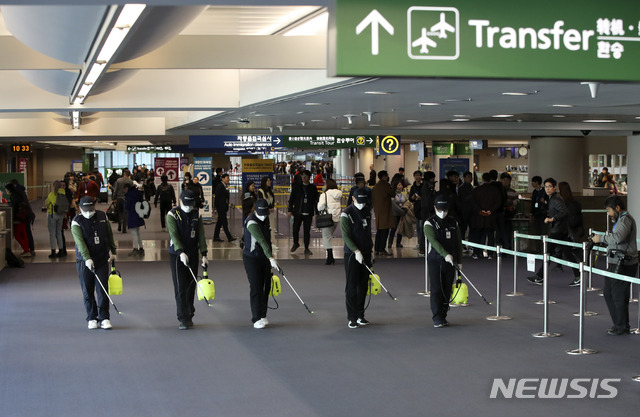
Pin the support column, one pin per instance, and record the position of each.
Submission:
(562, 158)
(365, 158)
(345, 165)
(633, 170)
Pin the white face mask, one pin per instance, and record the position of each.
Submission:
(359, 206)
(88, 214)
(442, 214)
(186, 209)
(261, 218)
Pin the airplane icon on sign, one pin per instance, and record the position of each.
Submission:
(442, 27)
(424, 42)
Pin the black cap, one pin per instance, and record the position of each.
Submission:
(441, 202)
(188, 198)
(87, 203)
(262, 207)
(361, 197)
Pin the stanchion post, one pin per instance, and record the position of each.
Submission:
(426, 292)
(586, 259)
(515, 292)
(545, 293)
(498, 286)
(581, 350)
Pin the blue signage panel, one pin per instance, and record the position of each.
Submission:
(235, 143)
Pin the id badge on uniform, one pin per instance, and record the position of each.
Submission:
(96, 240)
(536, 204)
(448, 234)
(364, 222)
(304, 201)
(193, 233)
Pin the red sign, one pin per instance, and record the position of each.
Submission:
(22, 165)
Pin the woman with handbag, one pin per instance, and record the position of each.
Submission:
(330, 203)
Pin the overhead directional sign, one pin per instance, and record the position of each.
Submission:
(235, 143)
(328, 141)
(590, 40)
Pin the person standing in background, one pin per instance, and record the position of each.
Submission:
(372, 177)
(382, 195)
(167, 196)
(330, 201)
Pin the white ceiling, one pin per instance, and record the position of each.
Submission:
(230, 62)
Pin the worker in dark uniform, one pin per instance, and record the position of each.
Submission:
(443, 235)
(355, 224)
(94, 239)
(186, 231)
(622, 249)
(258, 261)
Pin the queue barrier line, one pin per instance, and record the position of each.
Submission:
(564, 243)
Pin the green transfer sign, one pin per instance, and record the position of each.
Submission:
(587, 40)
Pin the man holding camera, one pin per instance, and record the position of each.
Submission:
(622, 250)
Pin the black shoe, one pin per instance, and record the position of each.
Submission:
(134, 252)
(140, 252)
(183, 325)
(231, 239)
(53, 254)
(352, 324)
(535, 280)
(119, 228)
(399, 245)
(614, 332)
(308, 252)
(62, 253)
(362, 322)
(189, 323)
(438, 325)
(217, 239)
(294, 247)
(575, 283)
(330, 261)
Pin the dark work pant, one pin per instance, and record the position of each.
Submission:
(381, 240)
(32, 247)
(164, 209)
(259, 274)
(222, 223)
(88, 282)
(355, 290)
(304, 220)
(616, 294)
(184, 286)
(122, 215)
(505, 231)
(441, 277)
(420, 234)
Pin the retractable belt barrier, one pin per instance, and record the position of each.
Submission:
(582, 267)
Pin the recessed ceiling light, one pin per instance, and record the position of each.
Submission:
(413, 121)
(429, 104)
(316, 104)
(374, 125)
(562, 105)
(453, 100)
(301, 112)
(460, 120)
(502, 115)
(378, 92)
(559, 115)
(599, 121)
(204, 128)
(318, 120)
(515, 94)
(637, 117)
(463, 116)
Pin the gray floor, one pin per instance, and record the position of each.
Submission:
(302, 364)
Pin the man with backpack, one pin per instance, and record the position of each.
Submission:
(57, 208)
(167, 196)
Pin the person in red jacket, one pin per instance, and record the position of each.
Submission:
(87, 187)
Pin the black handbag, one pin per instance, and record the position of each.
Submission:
(324, 219)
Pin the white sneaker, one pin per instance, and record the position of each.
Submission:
(106, 324)
(92, 324)
(259, 324)
(266, 322)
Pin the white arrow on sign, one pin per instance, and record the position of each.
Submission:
(277, 141)
(375, 19)
(369, 141)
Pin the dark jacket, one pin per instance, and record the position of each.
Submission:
(414, 192)
(165, 193)
(382, 196)
(297, 199)
(222, 196)
(131, 198)
(558, 211)
(487, 198)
